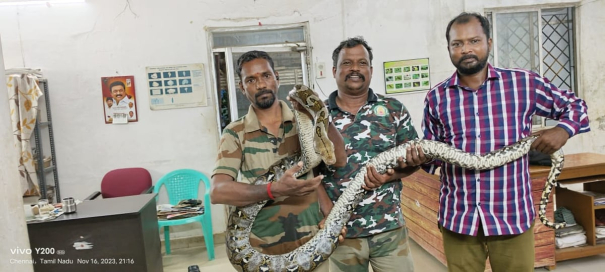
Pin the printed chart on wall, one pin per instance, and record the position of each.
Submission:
(176, 86)
(406, 76)
(119, 99)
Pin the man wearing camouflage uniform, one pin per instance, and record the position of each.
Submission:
(369, 124)
(253, 143)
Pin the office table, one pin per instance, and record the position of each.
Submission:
(115, 234)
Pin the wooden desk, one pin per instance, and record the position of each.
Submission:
(588, 169)
(420, 205)
(123, 233)
(578, 168)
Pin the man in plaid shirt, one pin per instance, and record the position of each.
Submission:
(481, 108)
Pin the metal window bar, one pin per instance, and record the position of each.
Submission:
(516, 43)
(518, 40)
(544, 45)
(558, 47)
(267, 38)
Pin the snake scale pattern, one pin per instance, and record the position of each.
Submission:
(315, 147)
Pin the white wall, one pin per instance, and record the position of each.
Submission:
(77, 44)
(592, 78)
(13, 231)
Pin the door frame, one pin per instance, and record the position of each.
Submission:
(302, 48)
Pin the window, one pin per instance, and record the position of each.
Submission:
(287, 46)
(541, 40)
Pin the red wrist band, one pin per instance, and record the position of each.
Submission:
(269, 191)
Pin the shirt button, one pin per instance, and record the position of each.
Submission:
(478, 180)
(478, 204)
(479, 136)
(477, 113)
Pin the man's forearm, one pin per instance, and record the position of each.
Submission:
(325, 203)
(236, 193)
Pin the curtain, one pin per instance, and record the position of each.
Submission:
(23, 94)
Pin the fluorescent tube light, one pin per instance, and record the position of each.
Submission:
(38, 2)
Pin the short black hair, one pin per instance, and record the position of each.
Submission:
(350, 43)
(108, 99)
(464, 18)
(116, 83)
(250, 56)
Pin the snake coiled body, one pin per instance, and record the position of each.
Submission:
(315, 147)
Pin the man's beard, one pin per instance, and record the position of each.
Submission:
(264, 103)
(471, 70)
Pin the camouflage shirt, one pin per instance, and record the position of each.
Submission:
(380, 124)
(250, 149)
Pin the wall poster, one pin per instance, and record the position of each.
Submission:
(176, 86)
(407, 75)
(119, 99)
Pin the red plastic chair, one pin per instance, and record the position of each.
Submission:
(124, 182)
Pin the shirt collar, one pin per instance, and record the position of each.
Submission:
(251, 122)
(372, 97)
(455, 79)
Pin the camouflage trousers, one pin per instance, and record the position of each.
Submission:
(386, 252)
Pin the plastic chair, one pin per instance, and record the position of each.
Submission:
(184, 184)
(124, 182)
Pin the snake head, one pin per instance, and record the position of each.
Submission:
(300, 93)
(298, 98)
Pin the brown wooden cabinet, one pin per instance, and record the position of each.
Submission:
(420, 204)
(588, 169)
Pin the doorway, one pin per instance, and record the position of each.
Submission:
(287, 47)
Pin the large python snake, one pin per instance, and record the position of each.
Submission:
(314, 140)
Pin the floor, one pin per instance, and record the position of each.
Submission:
(180, 259)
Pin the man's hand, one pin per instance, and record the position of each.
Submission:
(343, 231)
(414, 157)
(287, 185)
(550, 140)
(373, 179)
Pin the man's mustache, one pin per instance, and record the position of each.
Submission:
(465, 57)
(261, 92)
(355, 74)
